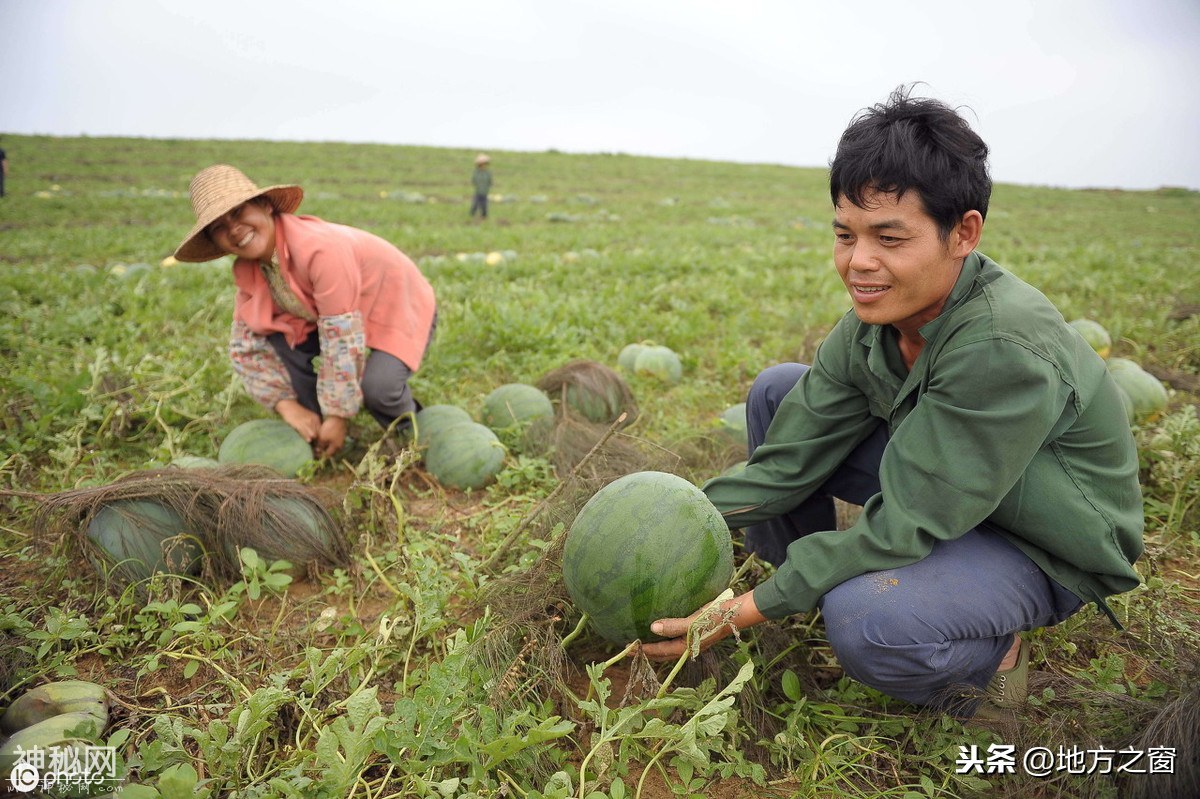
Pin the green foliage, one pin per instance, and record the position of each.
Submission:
(366, 681)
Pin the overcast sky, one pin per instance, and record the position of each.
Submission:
(1077, 93)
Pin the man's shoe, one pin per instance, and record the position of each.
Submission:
(1006, 691)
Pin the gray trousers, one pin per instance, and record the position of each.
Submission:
(385, 389)
(932, 632)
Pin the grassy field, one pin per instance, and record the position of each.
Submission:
(393, 676)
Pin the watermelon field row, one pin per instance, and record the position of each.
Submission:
(436, 652)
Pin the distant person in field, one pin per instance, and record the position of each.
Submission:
(3, 169)
(481, 180)
(308, 288)
(983, 437)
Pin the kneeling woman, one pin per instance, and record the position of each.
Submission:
(308, 288)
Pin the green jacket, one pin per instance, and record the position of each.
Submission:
(1007, 416)
(482, 180)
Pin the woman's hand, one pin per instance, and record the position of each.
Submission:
(745, 614)
(331, 436)
(302, 420)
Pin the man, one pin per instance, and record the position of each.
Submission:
(983, 437)
(481, 180)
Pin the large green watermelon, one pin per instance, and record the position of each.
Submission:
(269, 442)
(435, 418)
(143, 537)
(466, 455)
(647, 546)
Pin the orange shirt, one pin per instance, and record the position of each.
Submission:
(335, 269)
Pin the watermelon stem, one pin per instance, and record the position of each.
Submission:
(575, 633)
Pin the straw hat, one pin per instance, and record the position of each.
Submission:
(482, 158)
(215, 192)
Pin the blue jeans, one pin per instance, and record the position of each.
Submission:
(932, 632)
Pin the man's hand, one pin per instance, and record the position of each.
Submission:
(745, 614)
(331, 436)
(302, 420)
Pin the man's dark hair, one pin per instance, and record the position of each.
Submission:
(913, 144)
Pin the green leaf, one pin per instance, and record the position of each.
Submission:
(178, 782)
(791, 686)
(189, 671)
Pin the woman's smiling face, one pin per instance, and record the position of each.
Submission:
(247, 231)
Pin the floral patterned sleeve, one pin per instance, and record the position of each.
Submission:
(264, 375)
(343, 354)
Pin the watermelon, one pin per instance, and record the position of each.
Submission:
(435, 418)
(733, 423)
(1095, 335)
(516, 404)
(269, 442)
(599, 405)
(57, 732)
(660, 362)
(466, 455)
(1146, 393)
(647, 546)
(144, 537)
(590, 390)
(306, 534)
(628, 356)
(522, 414)
(1120, 364)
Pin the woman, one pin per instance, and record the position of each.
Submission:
(308, 288)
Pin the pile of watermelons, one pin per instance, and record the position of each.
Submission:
(1144, 395)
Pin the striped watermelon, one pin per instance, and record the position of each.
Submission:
(466, 455)
(435, 418)
(647, 546)
(269, 442)
(143, 537)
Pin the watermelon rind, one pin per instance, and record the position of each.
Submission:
(267, 442)
(648, 545)
(466, 456)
